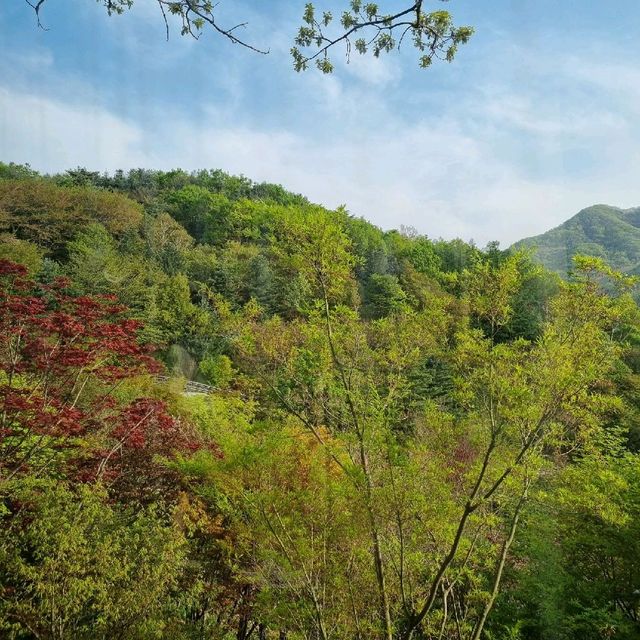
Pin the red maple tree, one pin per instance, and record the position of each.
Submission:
(61, 358)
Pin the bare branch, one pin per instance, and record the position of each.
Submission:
(194, 14)
(36, 7)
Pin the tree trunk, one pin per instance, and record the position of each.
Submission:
(477, 631)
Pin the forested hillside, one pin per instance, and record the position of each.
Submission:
(606, 232)
(403, 437)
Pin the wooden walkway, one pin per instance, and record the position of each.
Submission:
(190, 386)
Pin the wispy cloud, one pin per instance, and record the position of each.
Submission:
(51, 134)
(506, 143)
(438, 179)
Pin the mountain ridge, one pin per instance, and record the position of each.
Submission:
(601, 230)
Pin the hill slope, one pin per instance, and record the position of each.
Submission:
(601, 230)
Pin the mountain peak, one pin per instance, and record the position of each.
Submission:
(600, 230)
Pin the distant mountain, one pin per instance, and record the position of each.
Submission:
(607, 232)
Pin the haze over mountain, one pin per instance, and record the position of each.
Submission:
(600, 230)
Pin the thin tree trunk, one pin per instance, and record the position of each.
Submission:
(385, 612)
(477, 631)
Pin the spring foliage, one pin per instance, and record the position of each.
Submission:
(400, 437)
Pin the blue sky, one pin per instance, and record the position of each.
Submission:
(538, 117)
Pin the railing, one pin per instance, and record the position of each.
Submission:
(190, 386)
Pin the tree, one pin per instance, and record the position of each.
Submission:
(39, 211)
(177, 318)
(205, 215)
(95, 266)
(446, 458)
(579, 552)
(383, 296)
(21, 251)
(94, 521)
(75, 566)
(363, 27)
(168, 244)
(62, 357)
(440, 491)
(424, 258)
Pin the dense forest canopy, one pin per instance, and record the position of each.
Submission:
(399, 438)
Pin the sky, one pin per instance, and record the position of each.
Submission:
(537, 117)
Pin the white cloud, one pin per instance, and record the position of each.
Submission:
(52, 134)
(467, 172)
(523, 113)
(616, 81)
(378, 72)
(39, 59)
